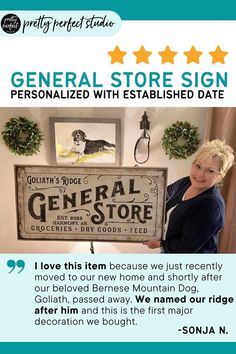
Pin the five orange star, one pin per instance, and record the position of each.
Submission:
(193, 55)
(142, 55)
(218, 56)
(117, 55)
(167, 55)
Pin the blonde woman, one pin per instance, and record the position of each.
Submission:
(195, 207)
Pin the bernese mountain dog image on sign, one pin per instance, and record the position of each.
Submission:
(83, 146)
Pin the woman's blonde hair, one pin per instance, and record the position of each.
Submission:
(219, 150)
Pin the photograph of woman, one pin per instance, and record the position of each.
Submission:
(195, 208)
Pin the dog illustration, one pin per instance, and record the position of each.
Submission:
(84, 146)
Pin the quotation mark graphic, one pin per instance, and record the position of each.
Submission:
(12, 264)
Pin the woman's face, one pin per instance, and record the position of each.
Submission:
(205, 173)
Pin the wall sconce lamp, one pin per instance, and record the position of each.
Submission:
(142, 146)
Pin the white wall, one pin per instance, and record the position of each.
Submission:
(160, 118)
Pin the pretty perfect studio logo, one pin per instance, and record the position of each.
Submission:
(10, 23)
(61, 23)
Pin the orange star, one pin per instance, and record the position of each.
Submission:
(142, 55)
(117, 55)
(193, 55)
(167, 55)
(218, 55)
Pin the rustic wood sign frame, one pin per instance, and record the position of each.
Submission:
(90, 204)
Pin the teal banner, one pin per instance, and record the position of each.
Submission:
(115, 348)
(148, 10)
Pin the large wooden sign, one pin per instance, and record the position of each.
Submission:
(102, 204)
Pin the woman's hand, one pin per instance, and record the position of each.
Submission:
(152, 244)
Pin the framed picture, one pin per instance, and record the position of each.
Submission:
(85, 141)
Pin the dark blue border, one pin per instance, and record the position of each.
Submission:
(137, 10)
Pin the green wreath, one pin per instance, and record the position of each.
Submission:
(22, 136)
(180, 140)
